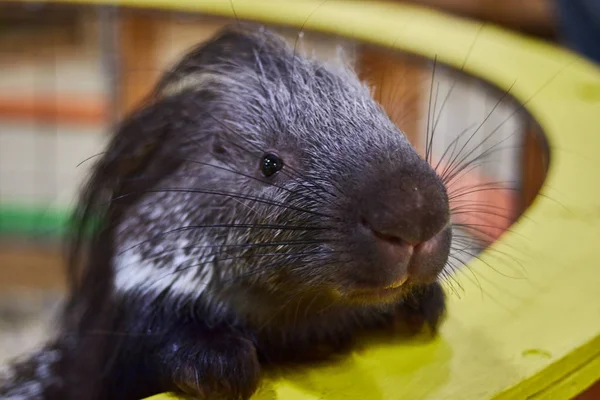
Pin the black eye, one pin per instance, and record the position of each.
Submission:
(270, 164)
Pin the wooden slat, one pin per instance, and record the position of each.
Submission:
(139, 60)
(397, 81)
(30, 266)
(593, 393)
(531, 16)
(535, 162)
(59, 108)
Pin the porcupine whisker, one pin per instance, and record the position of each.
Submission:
(90, 158)
(491, 251)
(479, 160)
(520, 108)
(296, 174)
(454, 264)
(262, 244)
(428, 148)
(241, 246)
(435, 100)
(228, 226)
(392, 94)
(469, 191)
(284, 306)
(475, 243)
(296, 192)
(298, 36)
(455, 160)
(166, 253)
(466, 249)
(453, 261)
(457, 250)
(459, 262)
(478, 228)
(278, 311)
(457, 195)
(498, 252)
(463, 244)
(266, 93)
(150, 177)
(256, 179)
(462, 165)
(482, 216)
(465, 170)
(479, 209)
(227, 194)
(310, 304)
(292, 103)
(453, 145)
(479, 212)
(468, 240)
(448, 280)
(474, 280)
(437, 119)
(382, 76)
(314, 261)
(461, 203)
(295, 254)
(467, 204)
(439, 116)
(488, 264)
(463, 190)
(246, 274)
(237, 20)
(429, 140)
(499, 184)
(287, 170)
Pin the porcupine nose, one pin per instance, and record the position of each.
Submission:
(410, 211)
(405, 215)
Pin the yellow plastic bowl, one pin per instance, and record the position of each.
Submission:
(537, 337)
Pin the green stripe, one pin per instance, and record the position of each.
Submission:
(22, 220)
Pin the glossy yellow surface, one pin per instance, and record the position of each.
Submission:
(525, 322)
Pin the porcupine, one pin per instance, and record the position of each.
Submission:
(259, 208)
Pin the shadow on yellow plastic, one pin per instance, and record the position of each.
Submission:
(526, 329)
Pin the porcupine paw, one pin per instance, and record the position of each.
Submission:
(425, 307)
(227, 369)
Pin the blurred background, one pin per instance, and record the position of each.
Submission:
(69, 73)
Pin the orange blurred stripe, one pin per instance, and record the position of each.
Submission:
(63, 108)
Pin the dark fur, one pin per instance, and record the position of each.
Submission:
(276, 260)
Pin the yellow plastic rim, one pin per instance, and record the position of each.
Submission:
(536, 336)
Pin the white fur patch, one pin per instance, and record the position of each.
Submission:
(181, 277)
(195, 81)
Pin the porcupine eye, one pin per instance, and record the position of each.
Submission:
(270, 164)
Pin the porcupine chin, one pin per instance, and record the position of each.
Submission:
(260, 208)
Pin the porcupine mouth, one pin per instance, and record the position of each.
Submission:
(418, 264)
(379, 295)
